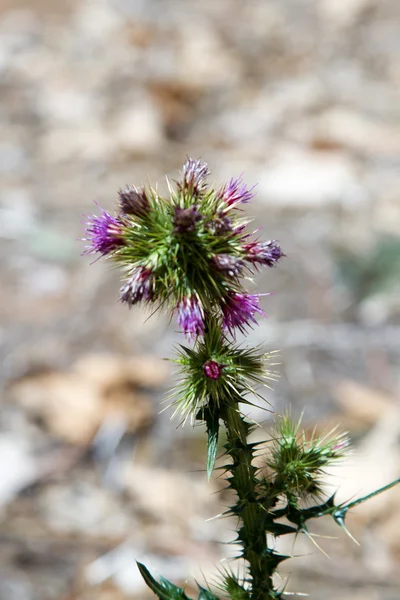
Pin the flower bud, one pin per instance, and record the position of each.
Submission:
(185, 219)
(228, 265)
(212, 369)
(265, 253)
(133, 202)
(190, 317)
(104, 233)
(235, 192)
(195, 173)
(139, 287)
(239, 309)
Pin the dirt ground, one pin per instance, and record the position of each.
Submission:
(302, 97)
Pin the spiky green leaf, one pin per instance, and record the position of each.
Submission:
(164, 590)
(206, 594)
(212, 443)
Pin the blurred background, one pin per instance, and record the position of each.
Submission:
(302, 97)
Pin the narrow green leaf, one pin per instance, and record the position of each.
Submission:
(206, 595)
(355, 503)
(212, 422)
(278, 529)
(164, 590)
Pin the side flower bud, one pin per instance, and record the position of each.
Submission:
(139, 287)
(185, 219)
(238, 311)
(219, 223)
(228, 265)
(264, 253)
(298, 460)
(190, 317)
(194, 175)
(235, 192)
(104, 233)
(133, 202)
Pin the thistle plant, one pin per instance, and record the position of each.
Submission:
(190, 254)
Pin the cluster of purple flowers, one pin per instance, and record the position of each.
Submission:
(210, 219)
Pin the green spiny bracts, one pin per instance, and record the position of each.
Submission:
(233, 587)
(216, 374)
(297, 462)
(218, 371)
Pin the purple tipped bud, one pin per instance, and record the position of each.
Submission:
(104, 233)
(212, 369)
(239, 309)
(228, 265)
(139, 287)
(220, 223)
(185, 219)
(195, 173)
(190, 317)
(265, 253)
(235, 192)
(133, 202)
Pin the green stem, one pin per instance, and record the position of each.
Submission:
(372, 494)
(250, 512)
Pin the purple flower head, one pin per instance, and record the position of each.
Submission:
(139, 287)
(212, 369)
(185, 219)
(265, 253)
(190, 316)
(228, 265)
(235, 192)
(133, 202)
(194, 173)
(104, 233)
(239, 309)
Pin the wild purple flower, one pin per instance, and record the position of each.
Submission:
(104, 233)
(190, 316)
(133, 202)
(265, 253)
(235, 192)
(239, 309)
(185, 219)
(195, 173)
(228, 265)
(212, 369)
(139, 287)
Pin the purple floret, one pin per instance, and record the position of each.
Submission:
(212, 369)
(133, 202)
(228, 265)
(104, 233)
(265, 253)
(185, 219)
(190, 317)
(139, 287)
(239, 309)
(235, 192)
(195, 173)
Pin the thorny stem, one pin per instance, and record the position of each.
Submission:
(250, 512)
